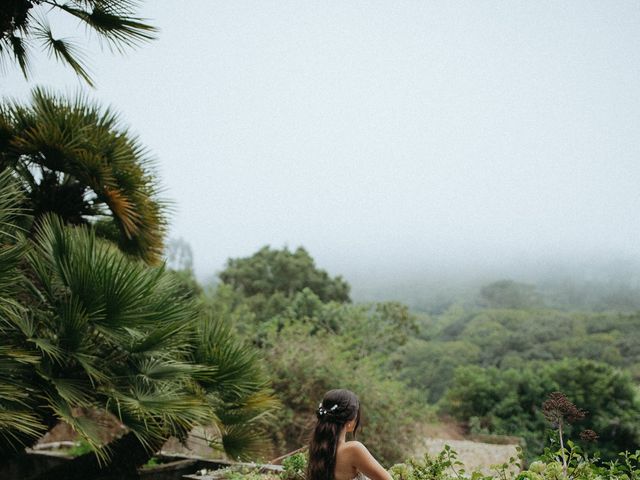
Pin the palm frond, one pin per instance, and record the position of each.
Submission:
(16, 426)
(157, 369)
(117, 26)
(114, 21)
(242, 442)
(236, 388)
(87, 427)
(255, 408)
(74, 391)
(19, 422)
(159, 409)
(120, 7)
(77, 144)
(49, 349)
(19, 50)
(62, 50)
(237, 372)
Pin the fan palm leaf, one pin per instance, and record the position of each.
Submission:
(77, 160)
(24, 23)
(236, 387)
(19, 423)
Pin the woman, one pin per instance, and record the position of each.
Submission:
(331, 457)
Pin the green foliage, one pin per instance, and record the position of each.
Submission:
(507, 401)
(231, 308)
(75, 159)
(313, 340)
(152, 462)
(581, 466)
(510, 338)
(294, 467)
(19, 422)
(85, 326)
(446, 466)
(235, 386)
(626, 466)
(186, 284)
(304, 367)
(81, 448)
(23, 22)
(429, 366)
(507, 361)
(241, 473)
(429, 468)
(271, 271)
(380, 328)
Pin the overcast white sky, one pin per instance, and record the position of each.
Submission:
(379, 133)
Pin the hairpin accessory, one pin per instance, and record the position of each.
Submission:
(323, 411)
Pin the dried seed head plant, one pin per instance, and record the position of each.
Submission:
(589, 435)
(558, 410)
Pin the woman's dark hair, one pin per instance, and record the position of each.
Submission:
(337, 408)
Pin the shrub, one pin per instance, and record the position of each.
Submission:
(507, 402)
(294, 467)
(304, 367)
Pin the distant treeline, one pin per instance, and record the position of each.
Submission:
(611, 287)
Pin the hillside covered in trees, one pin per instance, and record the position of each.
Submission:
(487, 362)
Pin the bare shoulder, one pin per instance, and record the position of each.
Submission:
(355, 445)
(364, 462)
(356, 448)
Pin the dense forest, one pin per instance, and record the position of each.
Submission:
(487, 361)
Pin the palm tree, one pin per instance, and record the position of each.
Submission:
(105, 332)
(237, 389)
(113, 334)
(24, 22)
(19, 422)
(76, 159)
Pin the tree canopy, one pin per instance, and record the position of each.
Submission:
(77, 160)
(86, 327)
(271, 271)
(507, 401)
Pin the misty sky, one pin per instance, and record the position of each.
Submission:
(381, 133)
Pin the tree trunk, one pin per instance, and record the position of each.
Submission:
(127, 454)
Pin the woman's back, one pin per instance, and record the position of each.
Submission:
(354, 460)
(345, 469)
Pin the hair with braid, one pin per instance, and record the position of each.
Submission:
(336, 409)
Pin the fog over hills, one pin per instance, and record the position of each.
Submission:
(595, 283)
(396, 141)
